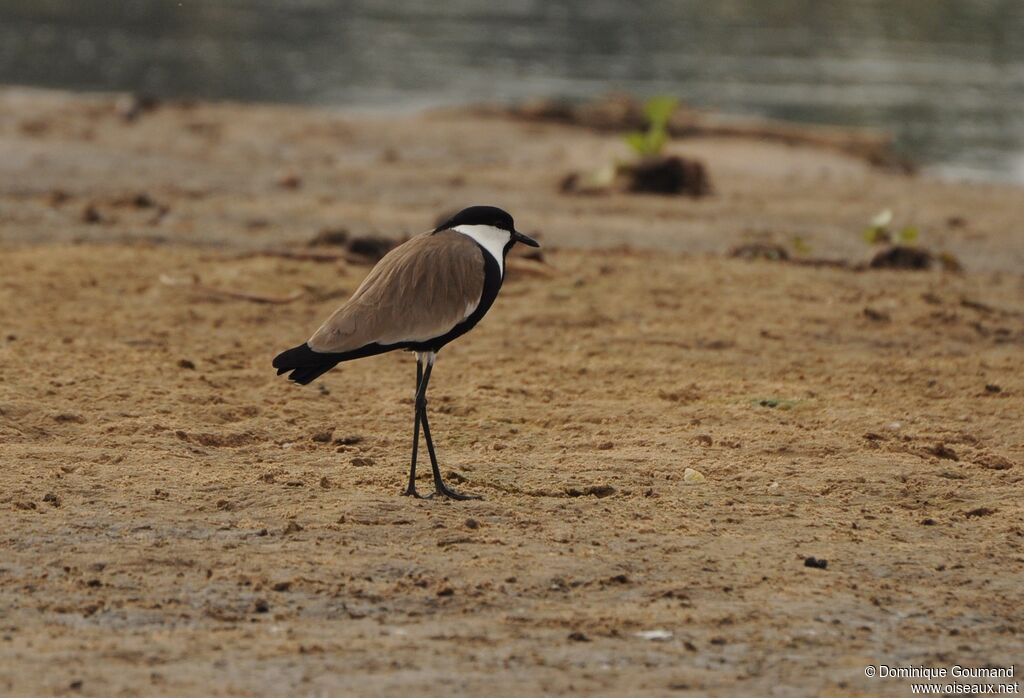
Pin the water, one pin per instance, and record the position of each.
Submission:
(945, 76)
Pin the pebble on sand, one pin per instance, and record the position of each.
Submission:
(656, 635)
(693, 477)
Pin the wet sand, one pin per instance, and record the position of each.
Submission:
(178, 520)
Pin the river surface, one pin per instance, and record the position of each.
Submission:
(945, 76)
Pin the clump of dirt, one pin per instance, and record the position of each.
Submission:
(365, 249)
(759, 250)
(329, 237)
(667, 175)
(372, 248)
(902, 257)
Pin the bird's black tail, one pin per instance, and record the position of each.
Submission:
(305, 364)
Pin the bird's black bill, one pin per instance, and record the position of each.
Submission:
(525, 239)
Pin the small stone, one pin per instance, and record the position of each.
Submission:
(361, 462)
(52, 499)
(577, 636)
(349, 440)
(992, 388)
(282, 586)
(815, 563)
(289, 180)
(142, 200)
(90, 214)
(185, 363)
(693, 477)
(472, 523)
(57, 197)
(446, 591)
(657, 635)
(876, 315)
(261, 606)
(941, 450)
(605, 446)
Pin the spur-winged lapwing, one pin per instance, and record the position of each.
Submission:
(420, 296)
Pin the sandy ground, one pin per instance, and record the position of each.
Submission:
(177, 520)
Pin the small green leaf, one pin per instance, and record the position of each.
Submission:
(908, 235)
(638, 142)
(800, 245)
(876, 234)
(656, 141)
(659, 110)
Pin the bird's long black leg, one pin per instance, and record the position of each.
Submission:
(410, 491)
(439, 487)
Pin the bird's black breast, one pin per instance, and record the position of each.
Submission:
(492, 284)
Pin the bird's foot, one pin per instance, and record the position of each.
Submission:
(442, 490)
(410, 491)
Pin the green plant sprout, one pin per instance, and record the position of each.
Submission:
(879, 232)
(658, 111)
(799, 245)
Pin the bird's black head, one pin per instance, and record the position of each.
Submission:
(480, 215)
(490, 216)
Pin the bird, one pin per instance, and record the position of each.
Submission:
(423, 294)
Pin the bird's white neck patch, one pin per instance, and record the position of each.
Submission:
(490, 238)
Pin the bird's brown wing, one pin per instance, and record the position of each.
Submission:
(418, 291)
